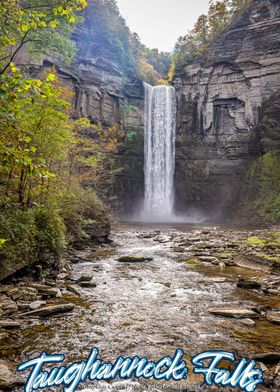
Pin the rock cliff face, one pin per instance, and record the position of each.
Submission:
(220, 99)
(224, 100)
(106, 89)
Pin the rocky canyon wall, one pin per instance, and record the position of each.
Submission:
(106, 90)
(220, 99)
(223, 98)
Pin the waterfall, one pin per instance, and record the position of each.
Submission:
(160, 133)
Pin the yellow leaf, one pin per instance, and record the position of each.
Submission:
(51, 77)
(72, 19)
(53, 24)
(13, 68)
(24, 28)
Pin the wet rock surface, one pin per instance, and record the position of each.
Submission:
(223, 95)
(273, 317)
(151, 308)
(134, 259)
(233, 312)
(49, 311)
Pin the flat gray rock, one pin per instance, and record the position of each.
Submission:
(37, 305)
(73, 289)
(49, 311)
(273, 317)
(270, 357)
(10, 324)
(233, 312)
(248, 284)
(134, 259)
(248, 322)
(48, 291)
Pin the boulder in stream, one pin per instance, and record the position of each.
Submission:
(84, 278)
(48, 291)
(268, 358)
(88, 285)
(248, 284)
(49, 311)
(10, 324)
(233, 312)
(37, 305)
(208, 259)
(134, 259)
(248, 322)
(73, 289)
(8, 380)
(273, 317)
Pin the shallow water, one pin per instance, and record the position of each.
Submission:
(149, 309)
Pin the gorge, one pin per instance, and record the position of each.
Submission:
(159, 152)
(139, 191)
(221, 99)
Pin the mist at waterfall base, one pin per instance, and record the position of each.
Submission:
(159, 158)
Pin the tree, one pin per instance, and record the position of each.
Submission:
(42, 25)
(219, 16)
(35, 133)
(206, 29)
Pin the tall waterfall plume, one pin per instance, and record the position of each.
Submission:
(160, 134)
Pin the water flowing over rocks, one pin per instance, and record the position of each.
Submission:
(155, 307)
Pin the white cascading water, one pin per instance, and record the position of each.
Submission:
(160, 134)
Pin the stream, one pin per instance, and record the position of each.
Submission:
(152, 308)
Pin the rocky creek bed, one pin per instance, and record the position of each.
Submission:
(153, 290)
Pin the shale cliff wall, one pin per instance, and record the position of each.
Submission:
(106, 89)
(220, 99)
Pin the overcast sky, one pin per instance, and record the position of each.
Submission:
(160, 22)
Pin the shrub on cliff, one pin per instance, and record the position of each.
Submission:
(84, 216)
(45, 157)
(265, 175)
(43, 152)
(206, 29)
(27, 234)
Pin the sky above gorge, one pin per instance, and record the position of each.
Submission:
(160, 22)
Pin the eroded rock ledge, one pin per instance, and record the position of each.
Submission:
(220, 97)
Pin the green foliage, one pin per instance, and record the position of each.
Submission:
(35, 133)
(192, 262)
(267, 247)
(206, 29)
(45, 156)
(111, 33)
(131, 135)
(50, 230)
(153, 66)
(39, 24)
(81, 208)
(2, 242)
(266, 175)
(27, 233)
(113, 36)
(255, 241)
